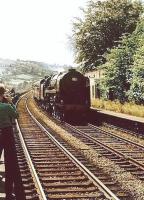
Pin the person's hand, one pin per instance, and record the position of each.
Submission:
(9, 99)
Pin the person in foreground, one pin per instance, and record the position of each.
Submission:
(7, 113)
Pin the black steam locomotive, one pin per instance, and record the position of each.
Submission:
(65, 95)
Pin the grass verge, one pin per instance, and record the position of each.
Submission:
(116, 106)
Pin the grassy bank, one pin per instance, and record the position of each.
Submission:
(127, 108)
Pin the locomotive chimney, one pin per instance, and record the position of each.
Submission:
(72, 70)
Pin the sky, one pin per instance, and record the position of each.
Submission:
(38, 30)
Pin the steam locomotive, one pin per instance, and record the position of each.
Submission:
(65, 95)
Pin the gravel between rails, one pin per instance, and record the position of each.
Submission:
(127, 181)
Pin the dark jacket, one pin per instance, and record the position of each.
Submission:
(7, 113)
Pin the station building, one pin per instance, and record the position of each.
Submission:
(95, 77)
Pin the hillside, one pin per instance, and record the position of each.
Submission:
(20, 74)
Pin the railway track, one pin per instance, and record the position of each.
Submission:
(26, 184)
(127, 154)
(56, 172)
(123, 130)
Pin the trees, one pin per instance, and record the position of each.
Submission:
(136, 92)
(102, 26)
(109, 36)
(124, 68)
(118, 69)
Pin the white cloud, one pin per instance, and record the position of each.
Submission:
(37, 29)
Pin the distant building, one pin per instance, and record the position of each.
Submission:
(95, 77)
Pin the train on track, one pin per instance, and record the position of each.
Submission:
(65, 95)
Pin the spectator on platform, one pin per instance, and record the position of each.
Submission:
(7, 113)
(4, 100)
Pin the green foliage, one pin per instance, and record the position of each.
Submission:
(117, 68)
(124, 69)
(102, 26)
(136, 92)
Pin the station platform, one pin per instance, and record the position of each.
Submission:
(2, 178)
(129, 122)
(121, 115)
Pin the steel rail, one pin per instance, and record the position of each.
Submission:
(109, 194)
(35, 177)
(116, 136)
(122, 129)
(141, 166)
